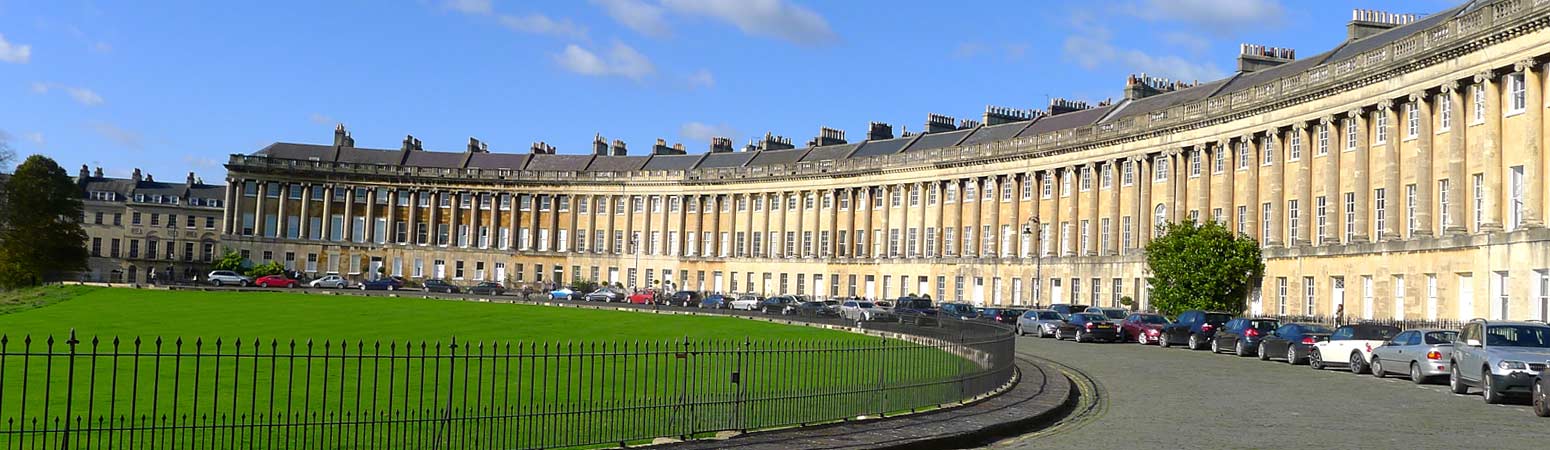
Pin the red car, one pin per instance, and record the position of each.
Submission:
(1142, 328)
(643, 297)
(276, 280)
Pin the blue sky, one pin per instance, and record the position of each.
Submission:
(177, 86)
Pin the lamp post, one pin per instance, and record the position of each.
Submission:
(1038, 260)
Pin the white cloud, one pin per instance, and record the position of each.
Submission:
(200, 162)
(769, 18)
(81, 95)
(14, 53)
(644, 18)
(320, 119)
(702, 79)
(541, 24)
(621, 61)
(1214, 16)
(35, 138)
(1091, 49)
(482, 7)
(118, 135)
(702, 132)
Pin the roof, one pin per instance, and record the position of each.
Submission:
(286, 150)
(996, 132)
(724, 160)
(778, 157)
(830, 152)
(673, 162)
(515, 161)
(440, 160)
(369, 156)
(617, 163)
(883, 147)
(1064, 121)
(563, 163)
(939, 140)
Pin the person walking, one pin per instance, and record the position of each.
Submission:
(1340, 314)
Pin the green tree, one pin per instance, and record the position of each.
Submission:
(231, 260)
(583, 286)
(40, 236)
(270, 268)
(1202, 266)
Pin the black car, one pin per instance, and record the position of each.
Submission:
(1194, 328)
(918, 311)
(382, 284)
(1241, 336)
(686, 298)
(434, 285)
(1083, 327)
(1067, 309)
(1292, 341)
(1004, 316)
(780, 304)
(816, 309)
(487, 288)
(961, 311)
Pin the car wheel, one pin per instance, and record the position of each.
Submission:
(1162, 341)
(1415, 374)
(1316, 360)
(1215, 346)
(392, 287)
(1291, 354)
(243, 283)
(1488, 390)
(1141, 338)
(1080, 336)
(217, 283)
(1357, 365)
(1455, 384)
(1263, 354)
(363, 286)
(1240, 349)
(1020, 330)
(1194, 342)
(1541, 404)
(1377, 368)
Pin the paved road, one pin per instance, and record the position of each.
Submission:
(1175, 398)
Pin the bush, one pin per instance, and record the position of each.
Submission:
(1203, 266)
(270, 268)
(583, 286)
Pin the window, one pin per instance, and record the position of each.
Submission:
(1410, 206)
(1381, 128)
(1045, 181)
(1294, 148)
(990, 189)
(1517, 94)
(1445, 113)
(1065, 238)
(1379, 211)
(1264, 219)
(1291, 221)
(1515, 197)
(1243, 220)
(1542, 294)
(1412, 119)
(1443, 212)
(1107, 178)
(1431, 296)
(1006, 189)
(1478, 92)
(1267, 157)
(1309, 289)
(1159, 168)
(1194, 163)
(1399, 297)
(1084, 229)
(1350, 134)
(1127, 175)
(1065, 184)
(1323, 140)
(1320, 218)
(1218, 160)
(1281, 295)
(1159, 217)
(1243, 154)
(1350, 216)
(1479, 188)
(1027, 188)
(1103, 235)
(1216, 216)
(1125, 232)
(1087, 178)
(1044, 242)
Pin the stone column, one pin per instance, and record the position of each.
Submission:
(1490, 153)
(1362, 176)
(1533, 149)
(229, 224)
(1333, 198)
(1276, 185)
(1111, 205)
(1143, 220)
(258, 209)
(1090, 212)
(1305, 207)
(1458, 182)
(1226, 197)
(1055, 214)
(370, 232)
(1423, 167)
(1073, 213)
(306, 209)
(328, 217)
(279, 221)
(412, 218)
(1178, 179)
(1390, 173)
(454, 217)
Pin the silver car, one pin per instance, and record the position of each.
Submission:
(1041, 321)
(227, 277)
(1499, 357)
(1422, 354)
(864, 311)
(330, 281)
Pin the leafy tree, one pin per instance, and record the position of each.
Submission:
(1202, 266)
(270, 268)
(231, 260)
(40, 236)
(583, 286)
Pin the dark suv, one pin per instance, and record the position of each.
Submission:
(686, 298)
(1193, 328)
(961, 311)
(918, 311)
(434, 285)
(1241, 336)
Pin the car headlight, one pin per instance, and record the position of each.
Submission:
(1512, 365)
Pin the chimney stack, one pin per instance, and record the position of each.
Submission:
(84, 173)
(938, 123)
(599, 145)
(97, 173)
(342, 137)
(540, 148)
(150, 178)
(662, 149)
(135, 176)
(964, 124)
(773, 142)
(474, 146)
(719, 144)
(1059, 105)
(1252, 57)
(827, 136)
(190, 180)
(1367, 22)
(997, 115)
(1142, 86)
(877, 131)
(618, 148)
(410, 143)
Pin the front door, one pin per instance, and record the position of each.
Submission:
(979, 291)
(1056, 291)
(1337, 294)
(1466, 296)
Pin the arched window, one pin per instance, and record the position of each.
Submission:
(1160, 217)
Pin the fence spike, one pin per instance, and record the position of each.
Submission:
(158, 342)
(4, 339)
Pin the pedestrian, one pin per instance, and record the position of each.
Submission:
(1340, 314)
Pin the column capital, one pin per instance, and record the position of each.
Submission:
(1356, 112)
(1485, 76)
(1271, 133)
(1416, 97)
(1449, 86)
(1137, 158)
(1173, 152)
(1524, 64)
(1385, 105)
(1299, 125)
(1326, 120)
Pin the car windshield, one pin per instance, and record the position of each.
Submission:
(1011, 312)
(1441, 337)
(864, 305)
(915, 304)
(1116, 314)
(1153, 320)
(1266, 325)
(1518, 336)
(1049, 315)
(1377, 333)
(1316, 329)
(1217, 317)
(1091, 317)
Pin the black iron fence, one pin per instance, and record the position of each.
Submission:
(265, 394)
(1404, 324)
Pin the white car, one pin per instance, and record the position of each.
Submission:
(330, 281)
(1350, 346)
(864, 311)
(225, 277)
(747, 302)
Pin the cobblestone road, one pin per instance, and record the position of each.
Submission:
(1175, 398)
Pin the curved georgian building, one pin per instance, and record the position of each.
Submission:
(1399, 174)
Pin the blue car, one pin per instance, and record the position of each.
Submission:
(563, 294)
(714, 301)
(383, 284)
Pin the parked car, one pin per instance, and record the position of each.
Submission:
(1143, 328)
(382, 284)
(1538, 396)
(779, 304)
(686, 298)
(607, 295)
(488, 288)
(960, 311)
(1421, 354)
(815, 309)
(1241, 336)
(1082, 327)
(1194, 329)
(864, 311)
(1499, 357)
(330, 281)
(436, 285)
(1292, 342)
(747, 302)
(1350, 346)
(1115, 314)
(1004, 316)
(644, 297)
(227, 277)
(1041, 321)
(276, 280)
(713, 301)
(565, 293)
(1067, 309)
(918, 311)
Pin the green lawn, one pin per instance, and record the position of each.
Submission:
(534, 377)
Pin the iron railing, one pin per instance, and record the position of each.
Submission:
(1403, 324)
(265, 394)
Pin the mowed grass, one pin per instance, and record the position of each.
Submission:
(382, 370)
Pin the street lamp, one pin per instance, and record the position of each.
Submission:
(1038, 260)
